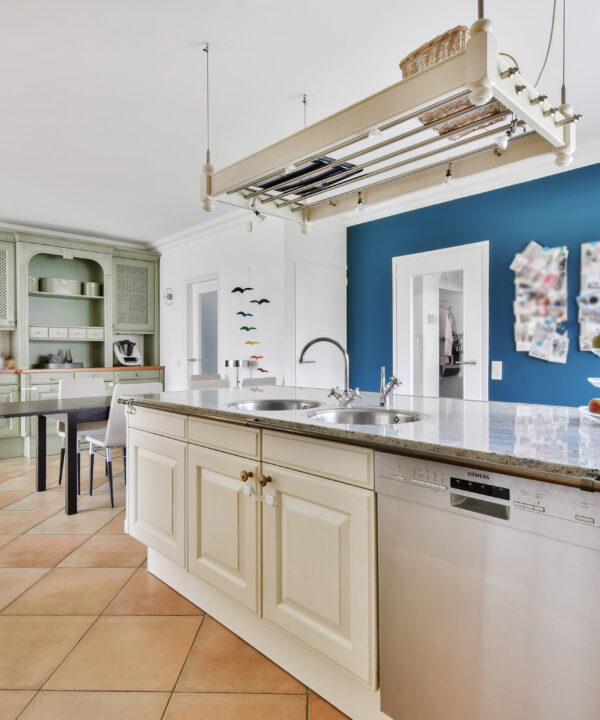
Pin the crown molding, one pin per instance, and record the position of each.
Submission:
(226, 221)
(59, 234)
(513, 174)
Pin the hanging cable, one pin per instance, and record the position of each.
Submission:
(205, 49)
(539, 77)
(563, 90)
(305, 103)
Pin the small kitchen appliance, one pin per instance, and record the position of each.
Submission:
(126, 352)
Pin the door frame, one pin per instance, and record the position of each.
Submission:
(484, 254)
(207, 278)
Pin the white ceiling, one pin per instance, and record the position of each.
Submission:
(102, 121)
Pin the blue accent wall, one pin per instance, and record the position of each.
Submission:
(563, 209)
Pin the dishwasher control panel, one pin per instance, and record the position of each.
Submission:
(454, 485)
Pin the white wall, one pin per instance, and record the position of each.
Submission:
(263, 259)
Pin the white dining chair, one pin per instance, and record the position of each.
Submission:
(114, 437)
(206, 376)
(207, 384)
(82, 387)
(254, 382)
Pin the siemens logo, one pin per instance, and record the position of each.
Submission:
(482, 476)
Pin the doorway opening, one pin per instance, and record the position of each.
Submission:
(203, 327)
(441, 322)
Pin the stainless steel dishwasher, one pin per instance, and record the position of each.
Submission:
(489, 595)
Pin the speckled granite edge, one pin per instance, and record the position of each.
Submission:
(495, 462)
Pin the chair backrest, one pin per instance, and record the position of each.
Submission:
(116, 428)
(83, 387)
(253, 382)
(204, 384)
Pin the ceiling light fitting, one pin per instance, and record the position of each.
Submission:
(360, 206)
(448, 179)
(478, 72)
(260, 217)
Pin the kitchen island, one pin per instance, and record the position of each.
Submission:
(267, 519)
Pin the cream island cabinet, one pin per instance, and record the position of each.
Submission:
(273, 535)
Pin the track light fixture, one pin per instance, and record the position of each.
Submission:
(260, 217)
(502, 140)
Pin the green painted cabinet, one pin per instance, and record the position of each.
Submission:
(8, 319)
(133, 295)
(12, 427)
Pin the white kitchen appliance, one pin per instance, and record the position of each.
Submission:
(126, 352)
(488, 595)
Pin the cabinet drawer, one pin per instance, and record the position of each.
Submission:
(9, 379)
(106, 376)
(95, 333)
(159, 422)
(349, 464)
(76, 333)
(48, 378)
(224, 436)
(38, 332)
(129, 375)
(58, 333)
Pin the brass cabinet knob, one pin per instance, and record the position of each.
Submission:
(264, 479)
(244, 475)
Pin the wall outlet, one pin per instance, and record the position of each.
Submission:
(496, 369)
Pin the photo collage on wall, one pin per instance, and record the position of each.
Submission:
(540, 305)
(589, 299)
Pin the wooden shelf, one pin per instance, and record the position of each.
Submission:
(37, 293)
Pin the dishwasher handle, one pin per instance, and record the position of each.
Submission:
(477, 505)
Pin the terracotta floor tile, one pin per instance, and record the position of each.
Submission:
(48, 500)
(8, 498)
(101, 497)
(71, 591)
(18, 522)
(197, 706)
(145, 594)
(107, 551)
(319, 709)
(38, 551)
(84, 522)
(114, 527)
(221, 662)
(128, 653)
(6, 539)
(20, 483)
(12, 702)
(32, 647)
(56, 705)
(14, 581)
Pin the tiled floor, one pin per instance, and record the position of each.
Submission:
(87, 632)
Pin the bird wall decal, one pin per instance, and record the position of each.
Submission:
(244, 314)
(252, 342)
(261, 301)
(241, 289)
(256, 357)
(245, 327)
(262, 370)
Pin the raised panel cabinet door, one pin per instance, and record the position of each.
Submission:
(319, 566)
(133, 295)
(7, 286)
(9, 427)
(223, 522)
(156, 493)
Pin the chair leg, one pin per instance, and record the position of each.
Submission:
(91, 468)
(110, 476)
(62, 464)
(78, 470)
(125, 465)
(105, 467)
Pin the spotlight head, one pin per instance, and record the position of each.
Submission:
(375, 134)
(360, 206)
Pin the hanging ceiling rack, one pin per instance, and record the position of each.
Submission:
(479, 72)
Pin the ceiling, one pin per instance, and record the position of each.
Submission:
(102, 122)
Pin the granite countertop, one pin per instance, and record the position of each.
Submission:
(539, 441)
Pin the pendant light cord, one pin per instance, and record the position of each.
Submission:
(539, 77)
(563, 90)
(207, 107)
(305, 103)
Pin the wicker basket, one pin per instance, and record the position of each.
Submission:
(437, 50)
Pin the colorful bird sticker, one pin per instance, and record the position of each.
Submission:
(262, 370)
(261, 301)
(241, 289)
(256, 357)
(252, 342)
(244, 314)
(246, 328)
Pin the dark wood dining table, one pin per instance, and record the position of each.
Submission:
(74, 411)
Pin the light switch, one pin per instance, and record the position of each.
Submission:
(496, 369)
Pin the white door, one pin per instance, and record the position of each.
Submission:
(203, 327)
(441, 322)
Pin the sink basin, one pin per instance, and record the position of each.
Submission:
(274, 404)
(365, 416)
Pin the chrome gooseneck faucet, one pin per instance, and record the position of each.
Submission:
(345, 396)
(384, 389)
